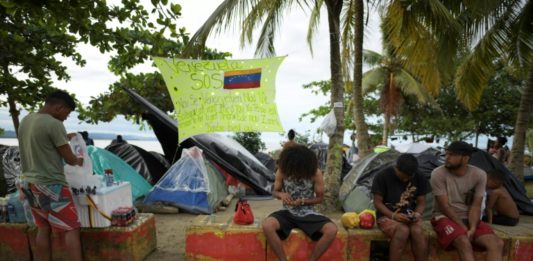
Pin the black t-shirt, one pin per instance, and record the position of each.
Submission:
(391, 188)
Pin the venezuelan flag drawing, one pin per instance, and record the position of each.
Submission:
(242, 79)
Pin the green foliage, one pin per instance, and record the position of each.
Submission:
(34, 34)
(250, 140)
(371, 105)
(495, 116)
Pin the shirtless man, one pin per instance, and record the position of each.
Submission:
(501, 209)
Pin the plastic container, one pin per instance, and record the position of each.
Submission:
(106, 200)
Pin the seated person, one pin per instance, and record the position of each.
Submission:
(399, 197)
(501, 209)
(299, 184)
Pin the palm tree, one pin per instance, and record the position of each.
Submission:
(394, 82)
(491, 29)
(507, 31)
(268, 13)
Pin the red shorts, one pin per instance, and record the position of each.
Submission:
(447, 231)
(52, 205)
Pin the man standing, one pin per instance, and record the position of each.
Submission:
(43, 143)
(459, 189)
(399, 197)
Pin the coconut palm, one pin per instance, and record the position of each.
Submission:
(388, 76)
(490, 30)
(506, 30)
(268, 15)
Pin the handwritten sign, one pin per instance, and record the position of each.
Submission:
(222, 95)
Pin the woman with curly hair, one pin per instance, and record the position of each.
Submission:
(300, 185)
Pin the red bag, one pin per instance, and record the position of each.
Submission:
(243, 213)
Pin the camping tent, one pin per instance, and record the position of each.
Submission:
(413, 147)
(354, 192)
(192, 184)
(226, 152)
(11, 166)
(266, 160)
(235, 159)
(365, 170)
(103, 159)
(321, 151)
(144, 162)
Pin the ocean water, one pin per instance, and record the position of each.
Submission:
(148, 145)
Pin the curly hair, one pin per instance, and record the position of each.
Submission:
(298, 162)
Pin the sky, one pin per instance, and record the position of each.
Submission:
(299, 68)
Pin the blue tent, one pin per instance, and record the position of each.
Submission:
(192, 184)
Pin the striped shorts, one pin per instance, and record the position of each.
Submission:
(51, 205)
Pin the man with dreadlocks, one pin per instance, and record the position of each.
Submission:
(299, 184)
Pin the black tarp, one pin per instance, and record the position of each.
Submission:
(165, 128)
(144, 162)
(235, 159)
(267, 160)
(227, 153)
(11, 167)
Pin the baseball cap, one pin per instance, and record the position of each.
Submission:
(460, 147)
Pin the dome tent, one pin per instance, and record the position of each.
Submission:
(144, 162)
(192, 184)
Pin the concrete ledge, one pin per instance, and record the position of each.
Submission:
(211, 239)
(134, 242)
(14, 244)
(236, 242)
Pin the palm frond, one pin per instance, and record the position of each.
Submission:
(373, 79)
(347, 38)
(372, 58)
(411, 39)
(314, 20)
(411, 87)
(226, 13)
(265, 43)
(521, 51)
(474, 72)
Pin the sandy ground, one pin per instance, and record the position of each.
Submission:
(171, 228)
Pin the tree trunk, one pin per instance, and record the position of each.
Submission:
(334, 159)
(14, 113)
(386, 126)
(516, 164)
(363, 139)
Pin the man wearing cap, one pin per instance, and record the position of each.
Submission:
(459, 189)
(399, 197)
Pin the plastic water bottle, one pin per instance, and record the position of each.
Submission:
(109, 179)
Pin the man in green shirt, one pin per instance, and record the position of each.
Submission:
(43, 144)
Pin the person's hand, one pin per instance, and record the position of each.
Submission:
(286, 198)
(401, 217)
(470, 234)
(414, 217)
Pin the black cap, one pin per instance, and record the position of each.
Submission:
(460, 147)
